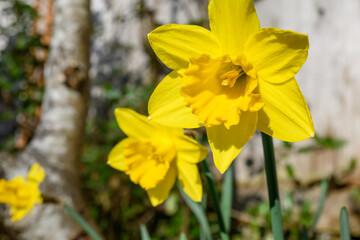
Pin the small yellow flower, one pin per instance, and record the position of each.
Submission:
(153, 156)
(22, 195)
(233, 79)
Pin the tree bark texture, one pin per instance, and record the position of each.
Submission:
(58, 139)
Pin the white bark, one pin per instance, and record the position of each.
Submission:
(58, 139)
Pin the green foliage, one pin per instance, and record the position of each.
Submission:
(344, 225)
(79, 219)
(290, 171)
(287, 145)
(306, 217)
(324, 143)
(260, 212)
(226, 197)
(323, 192)
(351, 167)
(272, 184)
(144, 233)
(355, 195)
(199, 212)
(21, 86)
(183, 236)
(294, 220)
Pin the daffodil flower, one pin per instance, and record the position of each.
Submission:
(154, 155)
(232, 79)
(22, 195)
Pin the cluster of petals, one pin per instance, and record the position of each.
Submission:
(22, 194)
(232, 79)
(154, 156)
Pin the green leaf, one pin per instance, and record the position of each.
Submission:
(199, 213)
(215, 200)
(226, 198)
(21, 42)
(144, 233)
(355, 195)
(287, 145)
(204, 205)
(87, 228)
(224, 236)
(183, 236)
(344, 225)
(351, 167)
(323, 191)
(305, 235)
(290, 171)
(329, 142)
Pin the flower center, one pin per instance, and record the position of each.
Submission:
(218, 90)
(18, 193)
(147, 162)
(229, 78)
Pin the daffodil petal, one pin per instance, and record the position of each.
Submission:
(161, 192)
(18, 213)
(167, 106)
(285, 115)
(174, 44)
(190, 181)
(116, 156)
(233, 21)
(136, 125)
(277, 55)
(36, 174)
(226, 144)
(189, 150)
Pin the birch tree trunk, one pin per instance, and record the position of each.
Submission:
(58, 139)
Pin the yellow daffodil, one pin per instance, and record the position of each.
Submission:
(22, 195)
(232, 79)
(154, 155)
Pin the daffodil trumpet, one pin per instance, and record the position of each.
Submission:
(232, 79)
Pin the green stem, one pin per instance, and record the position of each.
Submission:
(270, 169)
(88, 229)
(210, 181)
(344, 225)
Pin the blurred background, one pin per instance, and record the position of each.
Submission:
(123, 72)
